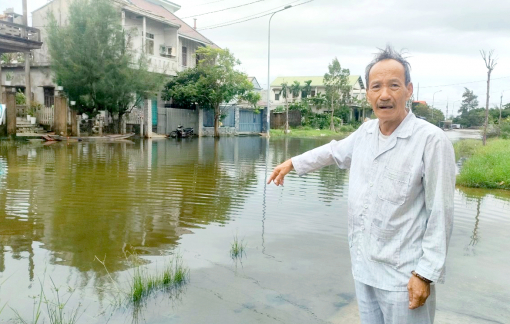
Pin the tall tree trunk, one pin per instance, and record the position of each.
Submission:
(332, 123)
(286, 117)
(217, 121)
(487, 108)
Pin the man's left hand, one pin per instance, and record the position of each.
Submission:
(419, 291)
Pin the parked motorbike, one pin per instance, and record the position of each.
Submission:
(182, 132)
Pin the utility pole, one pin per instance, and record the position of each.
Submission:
(28, 85)
(418, 93)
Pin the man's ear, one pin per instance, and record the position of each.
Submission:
(410, 89)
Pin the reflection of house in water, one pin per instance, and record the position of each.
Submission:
(85, 200)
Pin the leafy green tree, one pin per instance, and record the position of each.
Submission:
(285, 94)
(469, 101)
(432, 115)
(307, 89)
(212, 82)
(337, 88)
(92, 60)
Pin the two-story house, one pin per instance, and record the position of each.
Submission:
(153, 28)
(355, 82)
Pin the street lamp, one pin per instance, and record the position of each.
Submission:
(268, 65)
(433, 102)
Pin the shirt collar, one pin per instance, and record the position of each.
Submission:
(405, 129)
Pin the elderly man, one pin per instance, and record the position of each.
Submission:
(400, 205)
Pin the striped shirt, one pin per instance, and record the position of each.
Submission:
(400, 201)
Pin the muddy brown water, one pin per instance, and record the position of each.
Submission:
(63, 205)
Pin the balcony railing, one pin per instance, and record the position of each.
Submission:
(17, 30)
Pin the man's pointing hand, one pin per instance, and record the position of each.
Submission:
(280, 172)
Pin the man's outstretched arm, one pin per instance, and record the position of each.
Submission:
(339, 152)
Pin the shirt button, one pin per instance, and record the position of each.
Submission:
(375, 162)
(371, 184)
(365, 206)
(362, 228)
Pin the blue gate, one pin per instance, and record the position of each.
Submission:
(250, 121)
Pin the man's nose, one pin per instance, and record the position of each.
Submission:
(385, 94)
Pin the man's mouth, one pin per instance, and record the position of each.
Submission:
(385, 106)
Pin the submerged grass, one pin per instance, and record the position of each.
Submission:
(488, 166)
(237, 248)
(57, 310)
(173, 274)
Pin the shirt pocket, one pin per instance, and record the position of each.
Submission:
(394, 186)
(384, 246)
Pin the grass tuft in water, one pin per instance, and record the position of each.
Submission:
(488, 167)
(237, 248)
(144, 283)
(57, 310)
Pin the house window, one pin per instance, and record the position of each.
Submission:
(149, 43)
(49, 96)
(276, 96)
(303, 94)
(184, 56)
(313, 93)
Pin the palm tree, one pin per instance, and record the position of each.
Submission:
(285, 93)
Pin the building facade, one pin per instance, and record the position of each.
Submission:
(152, 28)
(358, 91)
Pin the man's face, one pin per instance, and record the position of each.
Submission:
(387, 92)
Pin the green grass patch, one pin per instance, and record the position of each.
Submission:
(309, 132)
(237, 248)
(466, 148)
(488, 166)
(145, 282)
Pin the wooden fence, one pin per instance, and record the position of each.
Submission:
(45, 116)
(278, 119)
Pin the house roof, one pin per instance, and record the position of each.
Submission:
(317, 81)
(255, 83)
(185, 29)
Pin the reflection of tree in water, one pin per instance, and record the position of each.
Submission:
(478, 195)
(87, 200)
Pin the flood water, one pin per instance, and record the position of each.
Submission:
(63, 205)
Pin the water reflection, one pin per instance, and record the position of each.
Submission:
(83, 200)
(481, 197)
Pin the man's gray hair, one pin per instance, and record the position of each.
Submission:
(389, 54)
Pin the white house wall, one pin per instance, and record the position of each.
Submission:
(191, 48)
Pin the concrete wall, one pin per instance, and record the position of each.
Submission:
(60, 9)
(39, 75)
(191, 49)
(170, 118)
(163, 35)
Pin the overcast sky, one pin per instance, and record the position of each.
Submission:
(442, 38)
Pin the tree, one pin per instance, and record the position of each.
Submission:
(307, 89)
(490, 63)
(432, 115)
(469, 101)
(285, 94)
(337, 88)
(92, 60)
(212, 82)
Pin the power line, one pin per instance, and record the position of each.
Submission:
(238, 22)
(249, 16)
(203, 4)
(449, 85)
(211, 12)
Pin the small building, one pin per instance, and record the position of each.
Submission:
(358, 91)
